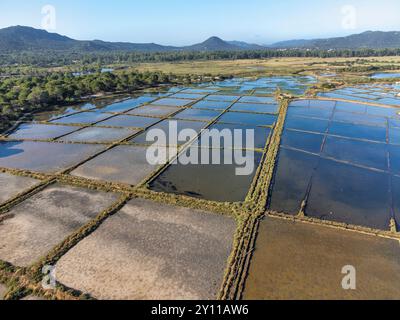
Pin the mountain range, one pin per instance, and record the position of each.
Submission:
(20, 38)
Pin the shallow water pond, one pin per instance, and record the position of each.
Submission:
(292, 177)
(212, 105)
(363, 153)
(129, 121)
(257, 108)
(154, 111)
(126, 105)
(191, 96)
(40, 131)
(260, 135)
(254, 99)
(173, 102)
(83, 118)
(62, 112)
(345, 193)
(394, 152)
(306, 124)
(206, 181)
(44, 156)
(222, 98)
(373, 133)
(248, 118)
(385, 75)
(309, 142)
(197, 114)
(165, 127)
(94, 134)
(310, 112)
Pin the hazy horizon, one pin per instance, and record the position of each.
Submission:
(180, 23)
(208, 37)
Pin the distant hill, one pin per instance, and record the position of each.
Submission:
(246, 46)
(213, 44)
(368, 39)
(20, 38)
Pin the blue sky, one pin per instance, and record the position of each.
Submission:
(181, 22)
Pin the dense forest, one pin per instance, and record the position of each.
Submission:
(22, 95)
(48, 59)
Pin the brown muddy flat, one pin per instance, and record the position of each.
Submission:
(151, 251)
(303, 261)
(38, 224)
(11, 185)
(123, 164)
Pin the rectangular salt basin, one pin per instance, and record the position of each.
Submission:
(213, 105)
(11, 185)
(191, 96)
(208, 181)
(394, 123)
(383, 112)
(302, 261)
(322, 104)
(292, 177)
(122, 164)
(394, 152)
(373, 133)
(94, 134)
(40, 131)
(129, 121)
(355, 118)
(259, 134)
(344, 193)
(61, 112)
(44, 157)
(199, 91)
(306, 124)
(165, 127)
(394, 135)
(127, 104)
(83, 118)
(254, 99)
(310, 112)
(396, 196)
(43, 221)
(197, 114)
(151, 251)
(154, 111)
(309, 142)
(257, 108)
(222, 98)
(351, 107)
(327, 105)
(248, 118)
(368, 154)
(172, 102)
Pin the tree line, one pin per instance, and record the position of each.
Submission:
(22, 95)
(54, 58)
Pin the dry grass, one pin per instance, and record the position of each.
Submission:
(254, 67)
